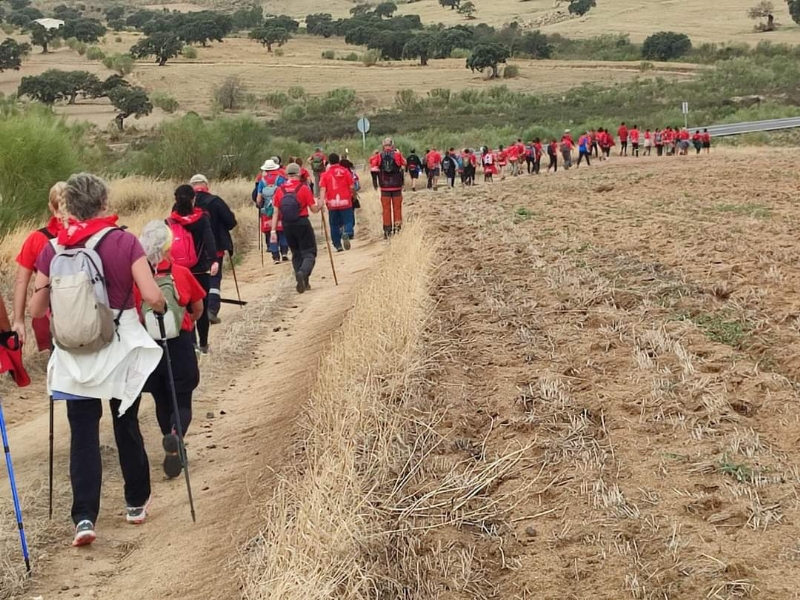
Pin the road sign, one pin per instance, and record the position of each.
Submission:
(363, 125)
(685, 108)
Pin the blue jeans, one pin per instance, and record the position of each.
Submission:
(342, 220)
(282, 245)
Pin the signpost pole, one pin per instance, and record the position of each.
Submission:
(685, 110)
(363, 126)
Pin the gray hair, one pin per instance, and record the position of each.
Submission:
(156, 239)
(85, 196)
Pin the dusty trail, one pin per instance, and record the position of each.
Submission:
(254, 382)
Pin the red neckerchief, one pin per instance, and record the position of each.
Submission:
(54, 226)
(201, 188)
(78, 232)
(194, 217)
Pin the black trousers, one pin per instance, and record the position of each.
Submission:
(202, 325)
(303, 244)
(187, 378)
(374, 179)
(85, 463)
(584, 154)
(553, 162)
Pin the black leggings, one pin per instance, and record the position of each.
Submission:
(584, 154)
(202, 325)
(187, 377)
(86, 464)
(553, 162)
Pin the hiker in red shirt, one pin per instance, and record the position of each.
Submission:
(292, 202)
(552, 154)
(684, 138)
(392, 181)
(512, 154)
(489, 162)
(501, 161)
(375, 167)
(584, 148)
(706, 141)
(156, 240)
(538, 150)
(26, 267)
(305, 176)
(605, 140)
(434, 161)
(697, 141)
(634, 135)
(648, 142)
(336, 187)
(622, 132)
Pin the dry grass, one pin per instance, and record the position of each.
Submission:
(323, 529)
(192, 82)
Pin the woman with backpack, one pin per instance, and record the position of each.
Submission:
(101, 350)
(26, 267)
(272, 178)
(185, 305)
(196, 252)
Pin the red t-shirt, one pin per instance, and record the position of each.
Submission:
(684, 135)
(647, 135)
(434, 159)
(706, 137)
(502, 157)
(634, 136)
(512, 153)
(35, 243)
(375, 163)
(304, 195)
(622, 132)
(338, 184)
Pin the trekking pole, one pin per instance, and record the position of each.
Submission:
(328, 243)
(178, 425)
(17, 508)
(235, 281)
(50, 491)
(260, 237)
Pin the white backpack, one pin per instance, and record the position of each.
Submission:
(82, 321)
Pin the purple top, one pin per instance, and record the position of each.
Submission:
(118, 251)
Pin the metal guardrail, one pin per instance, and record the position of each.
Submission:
(751, 126)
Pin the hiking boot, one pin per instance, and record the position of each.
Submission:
(285, 258)
(276, 261)
(136, 515)
(301, 282)
(203, 349)
(213, 318)
(308, 285)
(84, 533)
(340, 249)
(346, 241)
(172, 458)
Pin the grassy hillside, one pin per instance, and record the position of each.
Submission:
(702, 20)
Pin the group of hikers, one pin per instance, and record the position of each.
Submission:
(518, 156)
(121, 315)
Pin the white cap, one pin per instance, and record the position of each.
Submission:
(198, 179)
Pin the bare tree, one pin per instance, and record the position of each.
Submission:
(763, 10)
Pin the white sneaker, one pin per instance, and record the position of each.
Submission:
(137, 514)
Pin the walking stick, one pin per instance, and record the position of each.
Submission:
(235, 281)
(50, 491)
(328, 243)
(17, 508)
(178, 425)
(260, 237)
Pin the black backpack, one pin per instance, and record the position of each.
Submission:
(388, 163)
(413, 161)
(290, 207)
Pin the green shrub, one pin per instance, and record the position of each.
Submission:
(189, 52)
(645, 66)
(229, 95)
(510, 72)
(293, 112)
(277, 100)
(37, 150)
(328, 54)
(406, 99)
(370, 58)
(95, 53)
(352, 57)
(55, 44)
(81, 48)
(666, 45)
(121, 63)
(279, 52)
(296, 92)
(7, 28)
(164, 101)
(460, 53)
(118, 40)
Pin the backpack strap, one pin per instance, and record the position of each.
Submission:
(46, 232)
(98, 237)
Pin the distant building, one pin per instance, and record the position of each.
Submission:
(50, 23)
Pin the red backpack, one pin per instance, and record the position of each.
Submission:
(183, 252)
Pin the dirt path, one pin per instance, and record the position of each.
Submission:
(254, 383)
